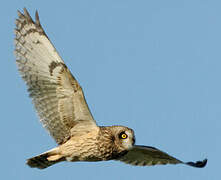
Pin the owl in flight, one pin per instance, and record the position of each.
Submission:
(63, 111)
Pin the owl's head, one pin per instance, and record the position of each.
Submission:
(123, 137)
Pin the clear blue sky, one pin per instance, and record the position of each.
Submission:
(154, 66)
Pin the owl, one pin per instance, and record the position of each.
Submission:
(63, 111)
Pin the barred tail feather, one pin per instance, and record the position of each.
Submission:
(44, 160)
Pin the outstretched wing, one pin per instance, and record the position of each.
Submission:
(149, 156)
(56, 94)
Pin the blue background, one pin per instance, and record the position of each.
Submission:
(153, 66)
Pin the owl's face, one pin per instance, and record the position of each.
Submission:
(123, 137)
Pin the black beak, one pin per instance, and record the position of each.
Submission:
(133, 141)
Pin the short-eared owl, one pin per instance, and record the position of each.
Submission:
(62, 108)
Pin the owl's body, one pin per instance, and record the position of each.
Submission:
(97, 145)
(100, 144)
(62, 108)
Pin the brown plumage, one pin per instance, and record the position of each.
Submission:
(63, 111)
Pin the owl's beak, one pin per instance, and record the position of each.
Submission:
(133, 141)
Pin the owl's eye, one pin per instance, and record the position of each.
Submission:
(122, 135)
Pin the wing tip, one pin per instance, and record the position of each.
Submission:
(198, 164)
(26, 15)
(25, 18)
(37, 20)
(20, 14)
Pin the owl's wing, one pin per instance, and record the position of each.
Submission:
(56, 94)
(148, 156)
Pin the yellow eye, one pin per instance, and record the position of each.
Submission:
(124, 136)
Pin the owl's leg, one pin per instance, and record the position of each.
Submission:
(46, 159)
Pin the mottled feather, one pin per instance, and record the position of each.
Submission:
(56, 94)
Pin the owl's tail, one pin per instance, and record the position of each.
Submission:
(46, 159)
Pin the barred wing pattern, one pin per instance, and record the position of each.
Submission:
(56, 94)
(149, 156)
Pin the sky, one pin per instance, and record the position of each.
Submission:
(154, 66)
